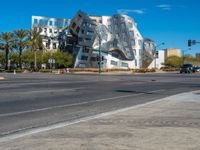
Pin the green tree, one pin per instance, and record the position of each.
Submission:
(27, 58)
(35, 43)
(62, 59)
(6, 42)
(2, 58)
(21, 41)
(14, 58)
(173, 61)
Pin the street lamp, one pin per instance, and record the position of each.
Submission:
(155, 52)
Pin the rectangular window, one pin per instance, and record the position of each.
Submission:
(66, 24)
(124, 64)
(84, 57)
(50, 23)
(133, 42)
(140, 42)
(132, 34)
(47, 45)
(54, 46)
(77, 29)
(45, 30)
(82, 31)
(93, 58)
(88, 39)
(113, 63)
(55, 31)
(86, 50)
(55, 23)
(50, 30)
(80, 39)
(61, 24)
(89, 33)
(41, 22)
(46, 23)
(35, 21)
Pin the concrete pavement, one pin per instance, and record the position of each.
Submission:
(169, 123)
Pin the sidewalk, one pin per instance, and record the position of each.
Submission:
(172, 123)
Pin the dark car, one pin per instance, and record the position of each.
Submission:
(186, 68)
(196, 69)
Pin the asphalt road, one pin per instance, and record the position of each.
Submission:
(29, 101)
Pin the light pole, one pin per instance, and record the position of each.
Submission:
(98, 33)
(99, 55)
(155, 52)
(184, 54)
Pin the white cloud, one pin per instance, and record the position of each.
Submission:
(164, 6)
(127, 11)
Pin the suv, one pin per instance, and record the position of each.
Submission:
(186, 68)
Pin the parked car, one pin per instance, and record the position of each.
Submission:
(186, 68)
(196, 69)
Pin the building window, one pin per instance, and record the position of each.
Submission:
(50, 30)
(74, 25)
(80, 39)
(130, 25)
(47, 45)
(132, 34)
(55, 31)
(140, 42)
(54, 46)
(61, 24)
(41, 22)
(124, 64)
(82, 31)
(46, 22)
(113, 63)
(133, 42)
(87, 39)
(89, 33)
(84, 57)
(50, 23)
(77, 29)
(93, 58)
(35, 21)
(86, 50)
(66, 24)
(45, 30)
(55, 23)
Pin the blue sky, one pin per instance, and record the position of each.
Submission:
(169, 21)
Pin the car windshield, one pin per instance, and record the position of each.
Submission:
(186, 65)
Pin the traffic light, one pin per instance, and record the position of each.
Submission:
(192, 42)
(102, 58)
(189, 43)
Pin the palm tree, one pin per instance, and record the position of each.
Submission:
(6, 42)
(35, 43)
(21, 38)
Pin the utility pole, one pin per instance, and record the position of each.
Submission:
(155, 53)
(99, 54)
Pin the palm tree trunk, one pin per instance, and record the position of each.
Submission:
(7, 67)
(20, 58)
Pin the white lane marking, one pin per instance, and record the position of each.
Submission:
(68, 123)
(75, 104)
(53, 90)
